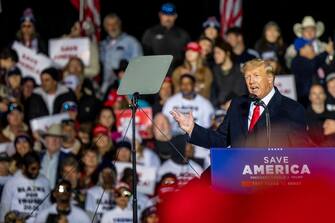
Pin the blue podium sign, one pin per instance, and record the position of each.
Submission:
(246, 169)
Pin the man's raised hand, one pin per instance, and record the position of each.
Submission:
(185, 122)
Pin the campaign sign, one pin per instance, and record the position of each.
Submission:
(286, 85)
(146, 176)
(30, 62)
(143, 123)
(4, 147)
(61, 50)
(244, 170)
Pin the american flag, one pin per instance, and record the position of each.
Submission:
(231, 14)
(89, 11)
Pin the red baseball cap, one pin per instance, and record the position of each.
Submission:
(194, 46)
(100, 129)
(112, 98)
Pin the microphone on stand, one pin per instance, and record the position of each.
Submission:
(259, 102)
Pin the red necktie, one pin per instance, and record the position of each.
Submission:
(255, 117)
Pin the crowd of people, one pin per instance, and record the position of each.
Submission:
(70, 172)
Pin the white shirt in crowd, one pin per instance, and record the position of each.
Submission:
(50, 102)
(118, 215)
(142, 203)
(149, 158)
(92, 199)
(49, 166)
(4, 179)
(184, 172)
(200, 107)
(24, 195)
(76, 215)
(202, 110)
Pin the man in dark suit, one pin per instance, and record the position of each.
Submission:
(245, 122)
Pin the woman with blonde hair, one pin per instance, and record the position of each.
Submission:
(193, 65)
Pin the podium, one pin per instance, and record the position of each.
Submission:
(243, 170)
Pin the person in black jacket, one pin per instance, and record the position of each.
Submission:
(271, 44)
(166, 38)
(245, 122)
(305, 67)
(228, 79)
(330, 102)
(48, 99)
(316, 114)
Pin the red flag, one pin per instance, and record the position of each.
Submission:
(231, 14)
(91, 14)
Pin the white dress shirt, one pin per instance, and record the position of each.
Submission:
(49, 167)
(266, 100)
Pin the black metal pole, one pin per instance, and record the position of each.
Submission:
(133, 152)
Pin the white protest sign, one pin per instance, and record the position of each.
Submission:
(286, 85)
(42, 123)
(61, 50)
(146, 176)
(31, 63)
(4, 147)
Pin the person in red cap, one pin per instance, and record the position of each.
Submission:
(194, 65)
(103, 143)
(107, 118)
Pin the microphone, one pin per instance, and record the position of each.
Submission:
(259, 102)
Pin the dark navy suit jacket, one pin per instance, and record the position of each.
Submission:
(288, 126)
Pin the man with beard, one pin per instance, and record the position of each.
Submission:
(63, 206)
(26, 191)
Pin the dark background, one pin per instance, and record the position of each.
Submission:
(55, 17)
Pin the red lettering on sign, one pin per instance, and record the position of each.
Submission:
(68, 48)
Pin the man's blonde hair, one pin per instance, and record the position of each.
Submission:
(255, 63)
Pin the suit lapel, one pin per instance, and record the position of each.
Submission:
(245, 105)
(273, 106)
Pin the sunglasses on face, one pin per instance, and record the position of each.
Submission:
(69, 107)
(13, 106)
(124, 193)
